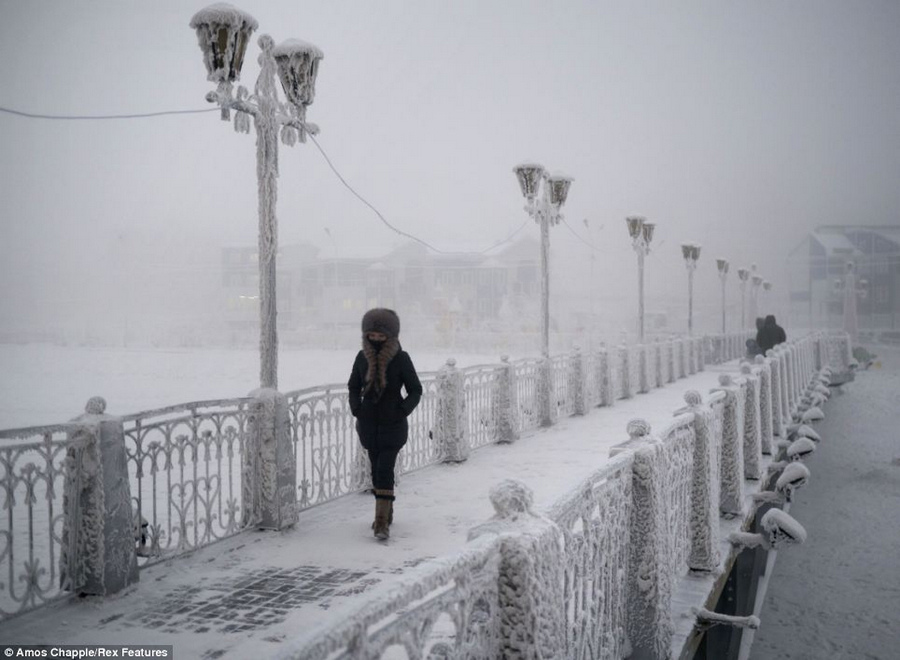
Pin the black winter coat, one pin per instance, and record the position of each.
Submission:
(382, 420)
(770, 335)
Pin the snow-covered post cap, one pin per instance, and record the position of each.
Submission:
(96, 405)
(637, 429)
(510, 498)
(800, 449)
(725, 380)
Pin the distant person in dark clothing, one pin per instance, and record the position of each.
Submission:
(381, 368)
(770, 335)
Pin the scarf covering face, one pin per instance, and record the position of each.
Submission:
(376, 375)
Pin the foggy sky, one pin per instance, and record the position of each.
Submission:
(739, 125)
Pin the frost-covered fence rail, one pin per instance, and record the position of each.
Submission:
(596, 576)
(325, 447)
(186, 467)
(595, 519)
(447, 608)
(35, 464)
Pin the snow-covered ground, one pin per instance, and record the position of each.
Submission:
(838, 595)
(48, 384)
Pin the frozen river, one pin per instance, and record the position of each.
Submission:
(47, 384)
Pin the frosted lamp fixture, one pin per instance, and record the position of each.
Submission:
(559, 189)
(767, 286)
(298, 65)
(529, 176)
(223, 32)
(722, 265)
(635, 222)
(743, 274)
(686, 251)
(647, 229)
(838, 285)
(695, 252)
(757, 280)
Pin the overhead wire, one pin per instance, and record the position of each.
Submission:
(32, 115)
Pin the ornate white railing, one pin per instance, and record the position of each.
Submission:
(185, 464)
(595, 520)
(616, 544)
(190, 478)
(35, 464)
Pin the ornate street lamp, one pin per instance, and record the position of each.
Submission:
(641, 233)
(545, 196)
(223, 32)
(722, 265)
(691, 254)
(743, 276)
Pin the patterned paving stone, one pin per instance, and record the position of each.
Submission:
(248, 601)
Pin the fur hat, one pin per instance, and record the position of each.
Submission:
(383, 320)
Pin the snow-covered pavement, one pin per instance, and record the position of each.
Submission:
(243, 596)
(838, 595)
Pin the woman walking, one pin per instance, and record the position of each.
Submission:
(381, 368)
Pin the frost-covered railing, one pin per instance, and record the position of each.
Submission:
(595, 520)
(527, 376)
(185, 464)
(479, 385)
(35, 464)
(447, 608)
(595, 576)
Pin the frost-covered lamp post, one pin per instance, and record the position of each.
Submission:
(224, 32)
(851, 289)
(641, 233)
(755, 281)
(545, 210)
(691, 254)
(743, 276)
(722, 265)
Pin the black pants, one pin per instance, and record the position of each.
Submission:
(383, 462)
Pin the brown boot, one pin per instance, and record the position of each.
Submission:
(381, 519)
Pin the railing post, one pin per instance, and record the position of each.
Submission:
(670, 354)
(451, 427)
(643, 369)
(625, 372)
(576, 382)
(269, 482)
(650, 625)
(777, 419)
(532, 605)
(752, 442)
(604, 377)
(766, 418)
(506, 423)
(545, 392)
(98, 554)
(659, 381)
(704, 487)
(732, 463)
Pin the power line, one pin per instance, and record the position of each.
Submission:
(384, 220)
(576, 235)
(33, 115)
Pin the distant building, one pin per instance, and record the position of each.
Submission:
(445, 291)
(820, 260)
